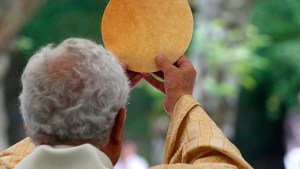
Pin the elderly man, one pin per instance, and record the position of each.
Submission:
(73, 106)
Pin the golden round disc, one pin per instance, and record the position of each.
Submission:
(136, 31)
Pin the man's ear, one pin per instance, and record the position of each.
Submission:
(117, 131)
(114, 146)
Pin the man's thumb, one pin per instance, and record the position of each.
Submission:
(163, 63)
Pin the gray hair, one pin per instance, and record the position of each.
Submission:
(72, 92)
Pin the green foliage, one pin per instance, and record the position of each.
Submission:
(230, 54)
(280, 21)
(157, 101)
(260, 124)
(57, 20)
(24, 44)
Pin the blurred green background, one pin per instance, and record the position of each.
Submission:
(246, 54)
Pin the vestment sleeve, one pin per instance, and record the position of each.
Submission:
(194, 141)
(10, 157)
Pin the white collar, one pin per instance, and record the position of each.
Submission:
(66, 157)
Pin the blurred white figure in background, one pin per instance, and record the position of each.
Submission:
(292, 138)
(130, 159)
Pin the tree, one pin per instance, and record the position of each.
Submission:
(223, 52)
(283, 32)
(263, 109)
(13, 15)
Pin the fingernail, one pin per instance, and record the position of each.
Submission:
(159, 57)
(123, 64)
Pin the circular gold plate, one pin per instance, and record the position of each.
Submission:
(136, 31)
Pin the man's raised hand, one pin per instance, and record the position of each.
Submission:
(179, 80)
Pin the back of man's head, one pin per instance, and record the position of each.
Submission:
(72, 92)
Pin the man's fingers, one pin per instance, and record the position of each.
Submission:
(159, 74)
(154, 82)
(135, 80)
(183, 61)
(131, 74)
(123, 65)
(163, 63)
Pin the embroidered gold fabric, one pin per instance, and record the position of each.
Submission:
(13, 155)
(193, 141)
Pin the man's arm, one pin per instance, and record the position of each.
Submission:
(194, 140)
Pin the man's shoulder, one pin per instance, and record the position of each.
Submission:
(14, 154)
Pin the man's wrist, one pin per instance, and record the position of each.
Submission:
(178, 100)
(183, 105)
